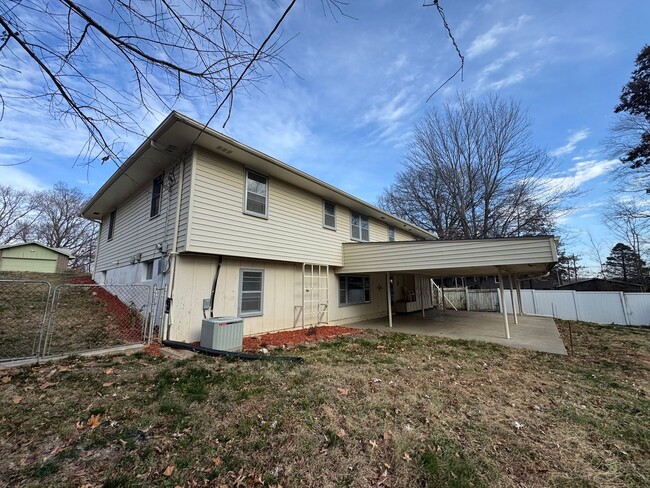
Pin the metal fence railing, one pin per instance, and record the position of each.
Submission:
(39, 320)
(23, 313)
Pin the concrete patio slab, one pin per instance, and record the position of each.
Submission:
(532, 332)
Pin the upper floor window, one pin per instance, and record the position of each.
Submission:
(359, 230)
(156, 196)
(391, 233)
(111, 225)
(329, 215)
(257, 191)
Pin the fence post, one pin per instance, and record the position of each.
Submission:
(625, 311)
(575, 304)
(534, 302)
(467, 298)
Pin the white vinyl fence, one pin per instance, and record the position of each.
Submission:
(601, 307)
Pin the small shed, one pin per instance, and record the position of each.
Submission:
(33, 257)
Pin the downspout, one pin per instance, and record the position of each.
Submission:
(99, 235)
(173, 253)
(214, 286)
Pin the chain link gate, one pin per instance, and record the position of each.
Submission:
(24, 307)
(39, 320)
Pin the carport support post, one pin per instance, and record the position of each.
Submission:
(390, 306)
(422, 294)
(521, 304)
(512, 299)
(503, 305)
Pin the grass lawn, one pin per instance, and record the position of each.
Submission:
(369, 410)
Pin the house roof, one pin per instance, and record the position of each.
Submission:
(59, 250)
(172, 140)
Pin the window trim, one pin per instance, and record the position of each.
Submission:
(265, 215)
(369, 288)
(325, 226)
(111, 225)
(361, 216)
(160, 177)
(241, 293)
(391, 233)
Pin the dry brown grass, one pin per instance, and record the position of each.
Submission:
(372, 410)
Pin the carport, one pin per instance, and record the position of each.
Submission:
(518, 258)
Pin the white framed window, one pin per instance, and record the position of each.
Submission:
(156, 195)
(256, 194)
(359, 230)
(354, 290)
(251, 292)
(391, 233)
(329, 215)
(111, 225)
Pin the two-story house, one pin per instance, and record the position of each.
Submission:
(231, 231)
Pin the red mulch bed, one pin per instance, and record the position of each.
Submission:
(294, 337)
(153, 349)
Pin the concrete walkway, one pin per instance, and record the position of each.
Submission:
(536, 333)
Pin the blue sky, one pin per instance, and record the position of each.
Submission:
(346, 111)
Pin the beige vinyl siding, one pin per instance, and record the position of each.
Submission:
(440, 255)
(282, 296)
(194, 276)
(402, 235)
(293, 230)
(135, 232)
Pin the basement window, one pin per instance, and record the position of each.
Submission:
(156, 196)
(354, 290)
(251, 292)
(359, 230)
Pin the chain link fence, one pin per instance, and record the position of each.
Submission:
(23, 313)
(40, 320)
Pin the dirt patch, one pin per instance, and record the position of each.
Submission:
(291, 338)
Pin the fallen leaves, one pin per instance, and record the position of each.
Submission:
(5, 379)
(17, 399)
(343, 391)
(93, 421)
(169, 470)
(108, 384)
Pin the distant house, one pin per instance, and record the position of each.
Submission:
(34, 257)
(599, 284)
(228, 230)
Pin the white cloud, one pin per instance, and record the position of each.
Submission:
(581, 173)
(491, 39)
(571, 143)
(18, 178)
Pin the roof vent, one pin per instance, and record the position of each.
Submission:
(170, 148)
(224, 149)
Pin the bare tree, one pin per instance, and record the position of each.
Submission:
(471, 171)
(60, 224)
(18, 211)
(158, 52)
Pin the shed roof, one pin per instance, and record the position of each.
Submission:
(60, 250)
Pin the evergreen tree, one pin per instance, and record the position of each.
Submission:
(635, 101)
(624, 263)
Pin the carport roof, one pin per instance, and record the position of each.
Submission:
(523, 256)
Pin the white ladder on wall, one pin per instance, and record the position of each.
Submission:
(315, 294)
